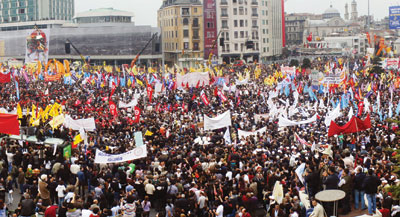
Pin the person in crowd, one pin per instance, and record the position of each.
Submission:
(370, 184)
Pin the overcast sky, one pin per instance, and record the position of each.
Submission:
(146, 10)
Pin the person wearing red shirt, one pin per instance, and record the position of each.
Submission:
(51, 211)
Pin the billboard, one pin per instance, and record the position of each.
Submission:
(394, 17)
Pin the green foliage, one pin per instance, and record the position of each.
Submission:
(306, 63)
(294, 62)
(395, 190)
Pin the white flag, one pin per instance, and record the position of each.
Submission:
(351, 113)
(227, 136)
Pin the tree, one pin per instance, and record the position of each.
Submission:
(294, 62)
(306, 63)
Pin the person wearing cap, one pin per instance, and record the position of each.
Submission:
(370, 184)
(43, 190)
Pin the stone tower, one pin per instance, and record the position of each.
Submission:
(354, 13)
(346, 12)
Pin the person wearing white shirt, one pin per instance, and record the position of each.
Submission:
(219, 212)
(60, 192)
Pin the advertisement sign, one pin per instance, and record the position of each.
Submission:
(394, 17)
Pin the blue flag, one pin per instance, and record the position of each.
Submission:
(16, 86)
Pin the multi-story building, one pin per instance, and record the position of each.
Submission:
(249, 22)
(210, 30)
(181, 23)
(36, 10)
(104, 15)
(294, 24)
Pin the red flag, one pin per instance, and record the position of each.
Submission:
(353, 126)
(194, 96)
(113, 87)
(204, 98)
(89, 101)
(187, 85)
(137, 114)
(183, 106)
(222, 96)
(360, 108)
(77, 102)
(309, 37)
(149, 92)
(216, 91)
(113, 108)
(238, 101)
(9, 124)
(198, 84)
(5, 78)
(259, 92)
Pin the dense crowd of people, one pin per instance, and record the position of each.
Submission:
(189, 171)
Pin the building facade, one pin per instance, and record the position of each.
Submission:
(210, 30)
(294, 24)
(181, 24)
(35, 10)
(254, 22)
(104, 15)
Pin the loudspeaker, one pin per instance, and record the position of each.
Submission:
(67, 47)
(221, 42)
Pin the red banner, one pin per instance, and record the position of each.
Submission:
(55, 77)
(353, 126)
(5, 78)
(9, 124)
(137, 114)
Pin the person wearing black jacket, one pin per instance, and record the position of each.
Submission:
(358, 189)
(331, 181)
(370, 184)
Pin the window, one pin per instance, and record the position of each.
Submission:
(195, 10)
(235, 11)
(224, 24)
(224, 12)
(236, 34)
(185, 45)
(210, 25)
(254, 12)
(185, 11)
(241, 46)
(185, 33)
(236, 47)
(196, 22)
(227, 36)
(241, 11)
(185, 21)
(235, 23)
(196, 34)
(21, 11)
(227, 48)
(241, 23)
(241, 34)
(195, 46)
(254, 23)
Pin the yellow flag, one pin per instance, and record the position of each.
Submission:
(45, 114)
(33, 112)
(129, 83)
(19, 111)
(148, 133)
(369, 88)
(78, 139)
(139, 82)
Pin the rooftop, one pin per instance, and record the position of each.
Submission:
(104, 12)
(167, 3)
